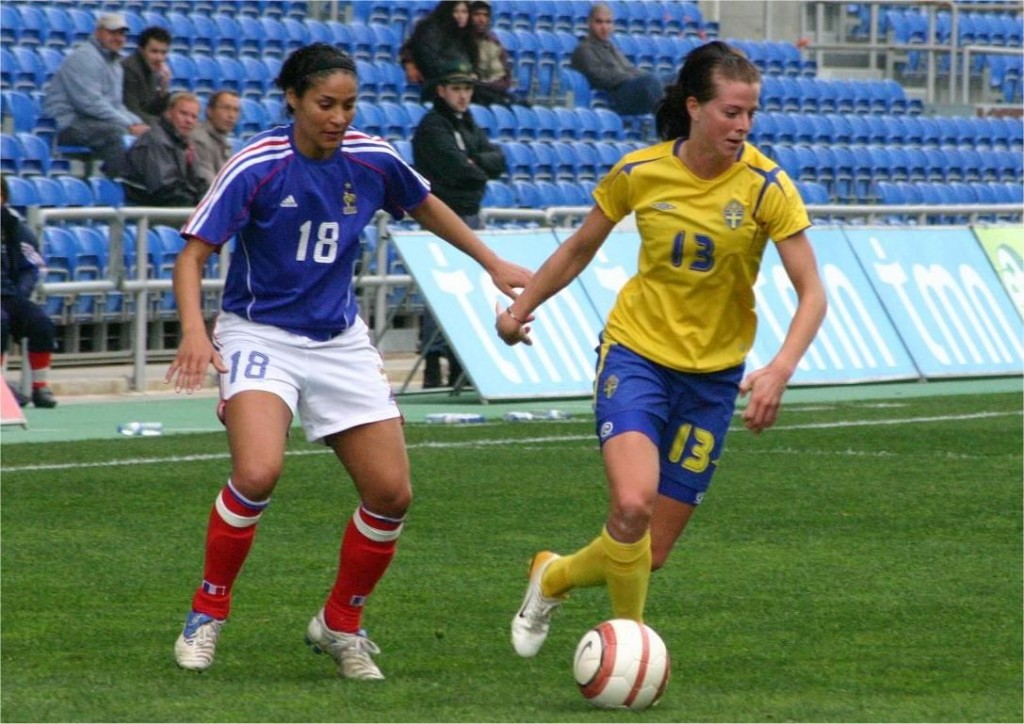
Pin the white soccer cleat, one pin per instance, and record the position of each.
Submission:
(530, 624)
(197, 643)
(350, 651)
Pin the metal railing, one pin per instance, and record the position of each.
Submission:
(376, 285)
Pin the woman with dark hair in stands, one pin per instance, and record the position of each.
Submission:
(289, 341)
(672, 353)
(439, 41)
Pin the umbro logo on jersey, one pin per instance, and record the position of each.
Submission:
(289, 202)
(662, 206)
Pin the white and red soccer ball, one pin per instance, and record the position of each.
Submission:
(621, 664)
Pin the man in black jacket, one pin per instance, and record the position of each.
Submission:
(161, 168)
(455, 155)
(147, 76)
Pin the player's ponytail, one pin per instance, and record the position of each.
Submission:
(696, 79)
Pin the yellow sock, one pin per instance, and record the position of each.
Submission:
(582, 569)
(627, 571)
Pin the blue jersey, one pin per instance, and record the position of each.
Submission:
(297, 222)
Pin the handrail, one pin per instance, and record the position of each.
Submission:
(142, 285)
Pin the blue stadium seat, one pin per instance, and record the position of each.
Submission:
(567, 161)
(520, 160)
(568, 124)
(232, 74)
(49, 191)
(276, 40)
(36, 157)
(404, 149)
(22, 193)
(484, 118)
(397, 124)
(369, 119)
(77, 191)
(183, 71)
(253, 118)
(505, 124)
(612, 128)
(527, 122)
(586, 168)
(31, 72)
(498, 194)
(205, 33)
(573, 193)
(550, 193)
(257, 81)
(229, 34)
(106, 192)
(607, 156)
(547, 123)
(544, 165)
(527, 196)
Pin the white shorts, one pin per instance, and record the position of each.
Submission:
(331, 386)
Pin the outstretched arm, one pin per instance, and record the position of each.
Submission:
(767, 384)
(196, 351)
(564, 265)
(434, 216)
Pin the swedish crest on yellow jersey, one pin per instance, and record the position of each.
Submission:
(690, 305)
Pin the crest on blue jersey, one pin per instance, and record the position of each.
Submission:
(733, 214)
(348, 199)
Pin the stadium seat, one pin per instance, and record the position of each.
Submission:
(205, 34)
(550, 193)
(232, 74)
(568, 124)
(22, 193)
(77, 191)
(520, 160)
(369, 119)
(498, 194)
(527, 196)
(544, 165)
(484, 118)
(566, 162)
(106, 192)
(183, 72)
(505, 124)
(527, 123)
(36, 158)
(257, 77)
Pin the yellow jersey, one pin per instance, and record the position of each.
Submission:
(690, 306)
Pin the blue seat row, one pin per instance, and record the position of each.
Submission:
(846, 128)
(849, 172)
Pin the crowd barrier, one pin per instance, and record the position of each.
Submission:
(455, 305)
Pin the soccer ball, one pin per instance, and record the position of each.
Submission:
(621, 664)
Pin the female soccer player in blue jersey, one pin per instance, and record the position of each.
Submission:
(672, 353)
(289, 340)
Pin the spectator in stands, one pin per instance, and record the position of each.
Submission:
(20, 267)
(212, 139)
(296, 200)
(147, 76)
(493, 67)
(631, 91)
(84, 96)
(671, 362)
(455, 155)
(161, 168)
(438, 40)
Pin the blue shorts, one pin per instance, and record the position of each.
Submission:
(685, 414)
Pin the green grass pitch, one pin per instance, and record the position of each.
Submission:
(861, 562)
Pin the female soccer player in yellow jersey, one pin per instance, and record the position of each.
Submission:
(671, 358)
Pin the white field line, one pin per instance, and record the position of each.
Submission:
(514, 441)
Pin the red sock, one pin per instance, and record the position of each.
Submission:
(366, 552)
(39, 360)
(229, 537)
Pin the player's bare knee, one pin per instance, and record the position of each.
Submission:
(255, 482)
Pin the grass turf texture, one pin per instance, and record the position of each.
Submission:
(845, 567)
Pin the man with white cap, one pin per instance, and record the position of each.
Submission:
(84, 96)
